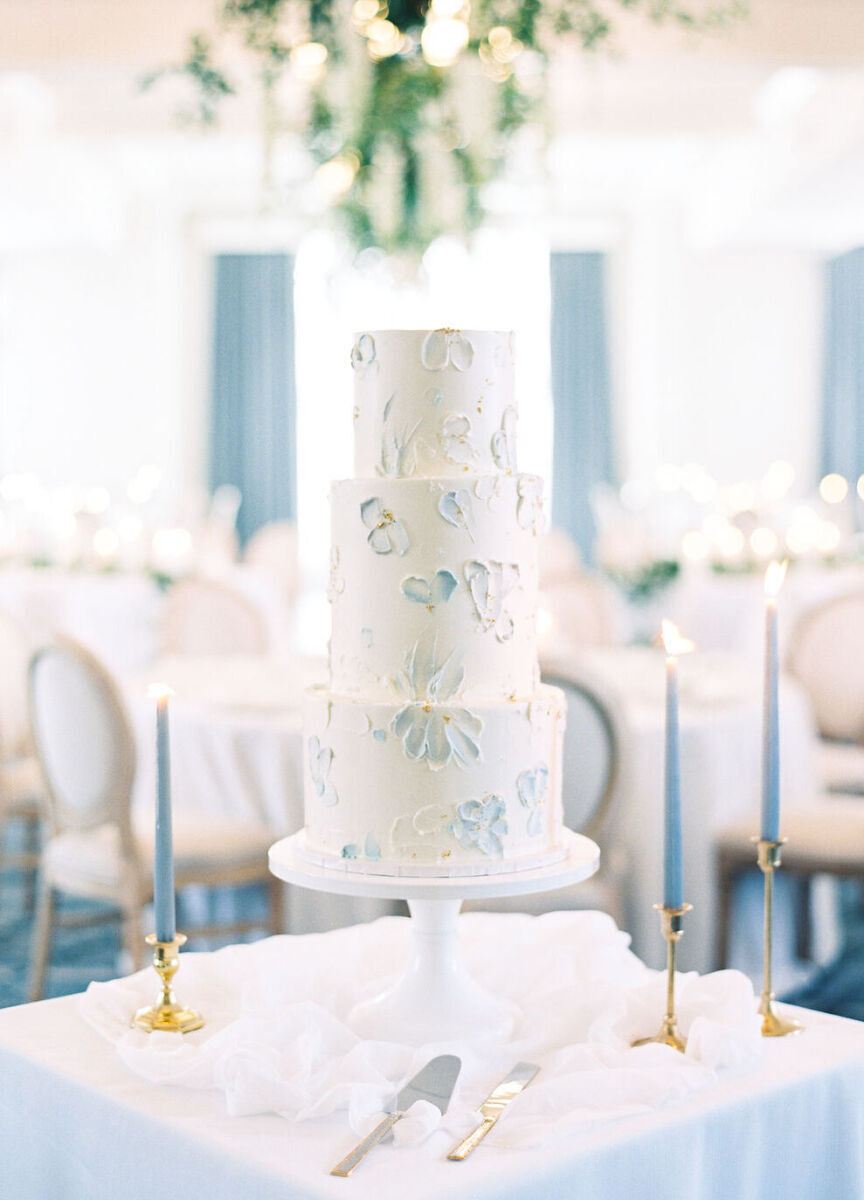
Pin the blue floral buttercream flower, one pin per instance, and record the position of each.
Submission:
(443, 348)
(386, 533)
(431, 593)
(532, 787)
(320, 762)
(398, 454)
(428, 727)
(481, 823)
(363, 352)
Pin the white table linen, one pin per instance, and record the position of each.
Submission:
(116, 614)
(766, 1119)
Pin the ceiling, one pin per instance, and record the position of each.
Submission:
(757, 133)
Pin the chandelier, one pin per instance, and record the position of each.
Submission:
(410, 108)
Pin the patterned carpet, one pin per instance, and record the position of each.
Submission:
(81, 955)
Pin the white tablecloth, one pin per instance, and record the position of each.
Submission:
(721, 732)
(115, 615)
(76, 1123)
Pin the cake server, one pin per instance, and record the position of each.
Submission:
(434, 1082)
(493, 1106)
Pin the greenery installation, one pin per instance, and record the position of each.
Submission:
(411, 105)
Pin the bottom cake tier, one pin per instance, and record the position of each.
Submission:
(433, 789)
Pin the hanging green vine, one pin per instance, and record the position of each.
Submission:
(412, 104)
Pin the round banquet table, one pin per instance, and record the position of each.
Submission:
(114, 614)
(721, 774)
(117, 614)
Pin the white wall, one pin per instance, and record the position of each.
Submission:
(103, 357)
(717, 355)
(92, 362)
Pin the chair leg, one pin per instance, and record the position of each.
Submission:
(43, 929)
(725, 878)
(32, 844)
(803, 917)
(276, 897)
(133, 942)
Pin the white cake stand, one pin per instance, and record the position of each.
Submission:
(435, 999)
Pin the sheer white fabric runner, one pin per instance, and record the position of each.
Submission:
(276, 1038)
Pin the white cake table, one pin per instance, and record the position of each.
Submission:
(76, 1124)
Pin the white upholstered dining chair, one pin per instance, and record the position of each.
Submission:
(272, 550)
(22, 789)
(206, 616)
(826, 655)
(590, 776)
(93, 849)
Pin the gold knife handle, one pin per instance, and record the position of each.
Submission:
(472, 1140)
(347, 1165)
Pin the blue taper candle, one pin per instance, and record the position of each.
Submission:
(770, 831)
(163, 861)
(673, 886)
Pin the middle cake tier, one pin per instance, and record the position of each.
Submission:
(434, 571)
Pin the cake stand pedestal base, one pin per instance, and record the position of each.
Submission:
(435, 999)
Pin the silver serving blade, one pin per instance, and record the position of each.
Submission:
(434, 1082)
(509, 1087)
(493, 1106)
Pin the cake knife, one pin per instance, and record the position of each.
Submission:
(493, 1106)
(434, 1082)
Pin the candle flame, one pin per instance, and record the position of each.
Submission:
(159, 691)
(774, 577)
(673, 642)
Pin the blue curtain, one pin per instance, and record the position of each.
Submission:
(253, 425)
(843, 367)
(580, 391)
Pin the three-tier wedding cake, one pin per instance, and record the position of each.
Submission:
(435, 750)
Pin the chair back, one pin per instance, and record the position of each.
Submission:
(590, 757)
(272, 550)
(558, 557)
(83, 738)
(16, 647)
(204, 616)
(826, 655)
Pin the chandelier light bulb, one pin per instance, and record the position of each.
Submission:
(447, 8)
(443, 40)
(364, 11)
(385, 39)
(833, 489)
(308, 59)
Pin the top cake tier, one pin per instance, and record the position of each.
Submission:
(429, 401)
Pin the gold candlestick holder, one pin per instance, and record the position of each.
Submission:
(166, 1015)
(672, 927)
(773, 1025)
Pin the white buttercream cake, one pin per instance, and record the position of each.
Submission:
(435, 749)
